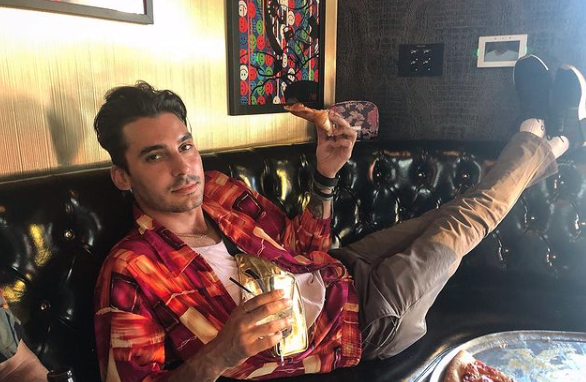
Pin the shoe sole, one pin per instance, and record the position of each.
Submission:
(580, 109)
(582, 82)
(532, 82)
(524, 59)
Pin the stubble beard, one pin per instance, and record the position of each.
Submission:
(195, 200)
(192, 201)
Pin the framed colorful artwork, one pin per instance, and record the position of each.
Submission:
(275, 54)
(135, 11)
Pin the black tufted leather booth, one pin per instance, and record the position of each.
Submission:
(55, 231)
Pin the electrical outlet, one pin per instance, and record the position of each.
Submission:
(421, 60)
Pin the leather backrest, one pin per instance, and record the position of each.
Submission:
(56, 230)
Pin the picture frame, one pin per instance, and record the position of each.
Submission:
(134, 11)
(275, 54)
(501, 51)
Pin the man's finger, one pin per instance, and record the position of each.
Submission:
(272, 327)
(339, 143)
(266, 342)
(342, 125)
(264, 305)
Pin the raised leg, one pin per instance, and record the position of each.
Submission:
(397, 289)
(400, 271)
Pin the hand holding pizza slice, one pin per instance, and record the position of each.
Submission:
(465, 368)
(335, 137)
(319, 117)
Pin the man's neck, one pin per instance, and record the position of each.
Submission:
(192, 221)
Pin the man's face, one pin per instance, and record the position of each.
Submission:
(165, 171)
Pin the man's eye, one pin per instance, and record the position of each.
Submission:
(187, 146)
(153, 157)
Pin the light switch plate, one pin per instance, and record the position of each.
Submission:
(421, 60)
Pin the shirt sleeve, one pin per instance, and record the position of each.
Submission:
(130, 342)
(9, 331)
(304, 233)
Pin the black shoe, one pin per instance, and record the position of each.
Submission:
(533, 84)
(568, 105)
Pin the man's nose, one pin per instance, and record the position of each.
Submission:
(180, 165)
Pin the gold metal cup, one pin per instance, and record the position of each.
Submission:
(294, 339)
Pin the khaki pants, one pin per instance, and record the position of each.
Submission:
(399, 271)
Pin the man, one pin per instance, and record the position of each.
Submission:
(166, 309)
(17, 362)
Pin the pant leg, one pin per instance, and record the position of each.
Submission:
(398, 237)
(388, 240)
(397, 290)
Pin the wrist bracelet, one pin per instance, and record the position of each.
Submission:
(324, 180)
(321, 195)
(320, 186)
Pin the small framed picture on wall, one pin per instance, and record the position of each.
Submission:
(134, 11)
(501, 51)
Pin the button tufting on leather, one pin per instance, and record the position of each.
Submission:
(544, 235)
(69, 235)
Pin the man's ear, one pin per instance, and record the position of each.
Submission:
(120, 178)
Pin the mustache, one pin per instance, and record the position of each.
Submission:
(180, 182)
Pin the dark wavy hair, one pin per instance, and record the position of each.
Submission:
(126, 104)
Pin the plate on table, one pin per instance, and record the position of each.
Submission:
(527, 356)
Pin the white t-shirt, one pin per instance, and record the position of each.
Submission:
(311, 285)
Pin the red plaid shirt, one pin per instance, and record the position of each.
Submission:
(158, 301)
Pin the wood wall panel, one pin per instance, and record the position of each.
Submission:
(55, 69)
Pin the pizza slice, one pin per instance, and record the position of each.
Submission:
(465, 368)
(319, 117)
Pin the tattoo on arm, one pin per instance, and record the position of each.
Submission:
(316, 206)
